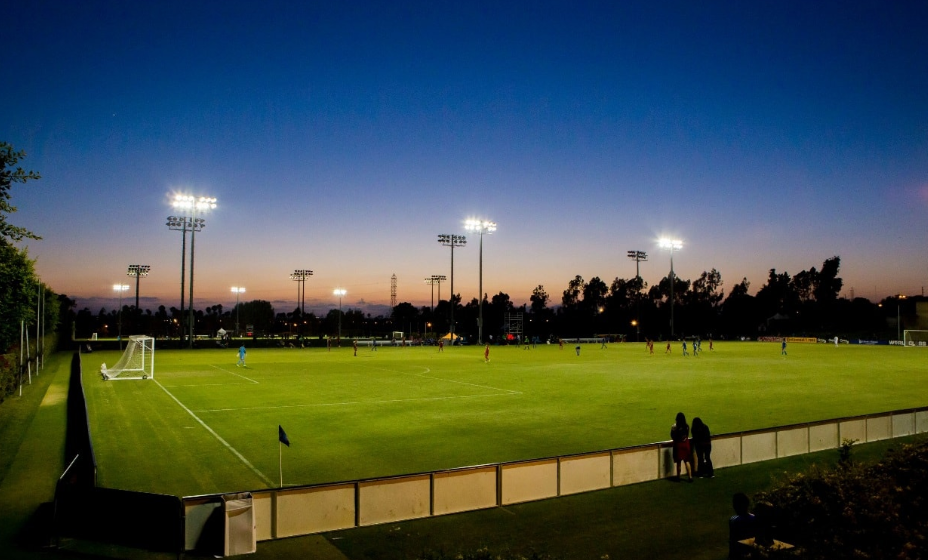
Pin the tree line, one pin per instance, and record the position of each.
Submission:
(805, 304)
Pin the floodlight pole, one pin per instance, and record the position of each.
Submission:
(138, 271)
(899, 299)
(638, 257)
(451, 240)
(183, 224)
(432, 281)
(194, 205)
(480, 227)
(339, 292)
(120, 288)
(237, 290)
(671, 244)
(299, 275)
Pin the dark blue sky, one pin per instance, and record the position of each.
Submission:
(344, 136)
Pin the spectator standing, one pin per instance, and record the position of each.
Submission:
(682, 452)
(702, 442)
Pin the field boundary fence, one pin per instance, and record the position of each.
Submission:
(208, 524)
(303, 510)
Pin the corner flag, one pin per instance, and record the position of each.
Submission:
(282, 436)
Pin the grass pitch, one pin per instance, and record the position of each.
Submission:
(204, 425)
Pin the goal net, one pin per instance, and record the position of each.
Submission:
(137, 362)
(915, 338)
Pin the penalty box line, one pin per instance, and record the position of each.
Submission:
(218, 437)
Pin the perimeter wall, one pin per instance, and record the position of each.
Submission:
(294, 511)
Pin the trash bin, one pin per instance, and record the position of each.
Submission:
(240, 530)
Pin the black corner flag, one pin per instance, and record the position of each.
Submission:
(282, 436)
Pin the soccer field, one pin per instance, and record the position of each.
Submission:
(203, 425)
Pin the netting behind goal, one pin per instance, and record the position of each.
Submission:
(137, 362)
(915, 338)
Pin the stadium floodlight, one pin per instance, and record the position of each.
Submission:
(138, 271)
(120, 288)
(638, 257)
(339, 292)
(183, 225)
(237, 290)
(452, 240)
(300, 275)
(480, 227)
(192, 206)
(432, 281)
(671, 244)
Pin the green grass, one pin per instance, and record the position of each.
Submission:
(205, 426)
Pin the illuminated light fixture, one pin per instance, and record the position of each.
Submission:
(340, 292)
(237, 290)
(671, 244)
(480, 227)
(191, 206)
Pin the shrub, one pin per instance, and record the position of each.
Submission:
(872, 511)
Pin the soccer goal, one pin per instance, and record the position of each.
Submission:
(915, 338)
(137, 362)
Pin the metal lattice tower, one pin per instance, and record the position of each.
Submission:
(393, 291)
(514, 323)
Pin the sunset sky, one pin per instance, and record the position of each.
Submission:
(343, 137)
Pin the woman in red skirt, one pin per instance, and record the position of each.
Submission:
(682, 453)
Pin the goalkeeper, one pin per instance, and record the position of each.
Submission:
(241, 356)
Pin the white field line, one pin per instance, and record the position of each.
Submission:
(349, 403)
(218, 437)
(428, 370)
(235, 374)
(202, 385)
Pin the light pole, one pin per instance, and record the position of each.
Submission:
(193, 205)
(671, 244)
(339, 292)
(138, 271)
(899, 299)
(300, 275)
(432, 281)
(480, 227)
(237, 290)
(120, 288)
(638, 257)
(183, 225)
(452, 240)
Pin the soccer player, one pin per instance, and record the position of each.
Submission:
(577, 349)
(685, 353)
(486, 353)
(668, 350)
(241, 356)
(441, 345)
(354, 344)
(783, 347)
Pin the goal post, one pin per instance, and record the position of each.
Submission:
(136, 362)
(915, 338)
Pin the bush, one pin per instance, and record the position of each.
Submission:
(872, 511)
(7, 375)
